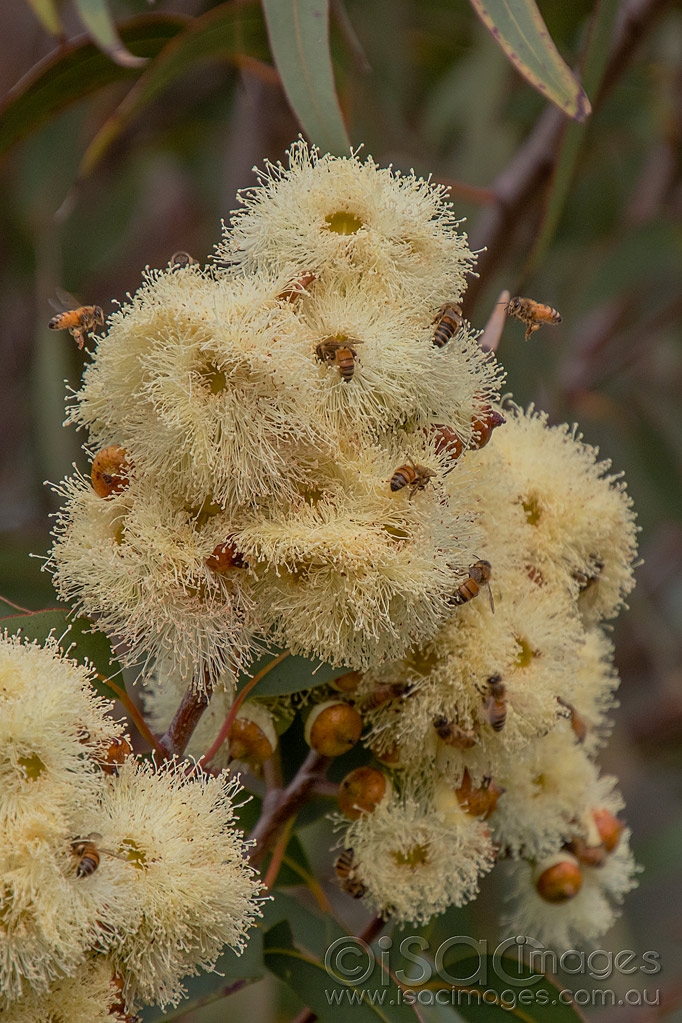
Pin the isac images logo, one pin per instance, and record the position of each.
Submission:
(463, 970)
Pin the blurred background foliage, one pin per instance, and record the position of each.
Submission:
(586, 217)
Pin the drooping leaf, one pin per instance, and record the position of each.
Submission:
(208, 988)
(227, 32)
(97, 18)
(46, 11)
(289, 676)
(518, 27)
(73, 72)
(299, 40)
(493, 988)
(332, 995)
(75, 638)
(593, 66)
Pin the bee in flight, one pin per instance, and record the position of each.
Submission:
(346, 872)
(411, 475)
(339, 350)
(495, 706)
(87, 853)
(479, 576)
(449, 320)
(79, 320)
(533, 314)
(453, 734)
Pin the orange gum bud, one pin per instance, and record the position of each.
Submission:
(110, 469)
(558, 878)
(333, 728)
(361, 791)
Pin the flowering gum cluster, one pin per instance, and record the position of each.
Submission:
(118, 878)
(303, 443)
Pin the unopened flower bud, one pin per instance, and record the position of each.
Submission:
(478, 802)
(347, 683)
(447, 442)
(252, 736)
(362, 790)
(333, 728)
(113, 756)
(609, 827)
(558, 878)
(483, 426)
(110, 469)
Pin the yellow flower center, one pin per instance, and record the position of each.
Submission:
(412, 858)
(531, 507)
(343, 222)
(32, 766)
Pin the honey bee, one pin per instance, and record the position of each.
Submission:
(533, 314)
(383, 693)
(479, 576)
(298, 287)
(453, 734)
(483, 426)
(346, 871)
(86, 852)
(179, 260)
(79, 322)
(496, 705)
(411, 475)
(448, 320)
(341, 352)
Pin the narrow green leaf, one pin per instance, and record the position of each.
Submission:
(333, 998)
(96, 17)
(299, 39)
(73, 72)
(290, 676)
(74, 638)
(208, 988)
(226, 32)
(46, 11)
(492, 988)
(518, 27)
(593, 66)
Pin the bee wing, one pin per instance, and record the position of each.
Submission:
(491, 599)
(65, 300)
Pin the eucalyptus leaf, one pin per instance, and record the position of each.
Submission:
(492, 988)
(376, 997)
(76, 639)
(98, 20)
(227, 32)
(517, 26)
(292, 675)
(299, 40)
(74, 71)
(46, 11)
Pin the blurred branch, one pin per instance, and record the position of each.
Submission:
(492, 332)
(281, 804)
(469, 193)
(187, 717)
(522, 184)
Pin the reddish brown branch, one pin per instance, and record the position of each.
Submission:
(521, 187)
(187, 716)
(281, 804)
